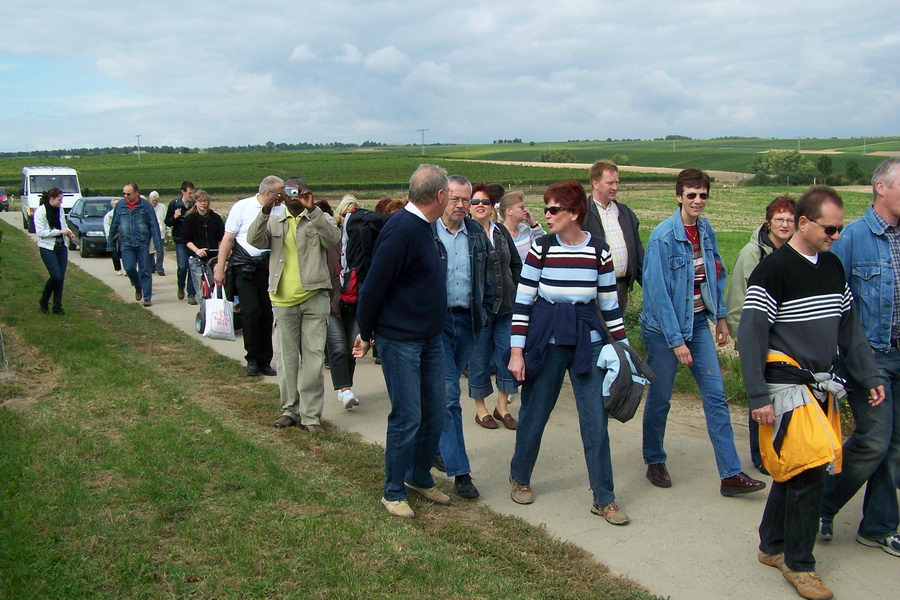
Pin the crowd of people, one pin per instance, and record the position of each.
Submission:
(461, 278)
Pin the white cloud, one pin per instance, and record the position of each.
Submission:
(351, 55)
(387, 59)
(302, 53)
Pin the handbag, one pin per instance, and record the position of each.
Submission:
(219, 316)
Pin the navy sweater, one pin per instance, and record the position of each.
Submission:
(404, 296)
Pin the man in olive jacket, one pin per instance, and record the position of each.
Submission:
(299, 284)
(616, 224)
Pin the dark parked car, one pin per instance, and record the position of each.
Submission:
(4, 200)
(86, 222)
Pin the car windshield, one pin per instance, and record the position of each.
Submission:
(96, 209)
(2, 192)
(67, 183)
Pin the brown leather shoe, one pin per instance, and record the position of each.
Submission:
(313, 428)
(138, 294)
(508, 420)
(148, 303)
(487, 422)
(808, 584)
(284, 421)
(180, 293)
(659, 475)
(740, 484)
(772, 560)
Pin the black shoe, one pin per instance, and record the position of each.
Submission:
(45, 308)
(439, 463)
(252, 369)
(761, 468)
(464, 488)
(826, 529)
(58, 311)
(267, 370)
(659, 475)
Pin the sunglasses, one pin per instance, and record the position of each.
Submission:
(692, 195)
(479, 202)
(553, 210)
(829, 229)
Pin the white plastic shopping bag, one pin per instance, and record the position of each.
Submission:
(219, 316)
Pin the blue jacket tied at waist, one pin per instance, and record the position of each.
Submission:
(568, 325)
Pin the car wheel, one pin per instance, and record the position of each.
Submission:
(82, 249)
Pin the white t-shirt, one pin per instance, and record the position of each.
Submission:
(241, 216)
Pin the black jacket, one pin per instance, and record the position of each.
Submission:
(177, 225)
(629, 223)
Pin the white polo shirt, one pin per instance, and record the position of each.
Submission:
(241, 216)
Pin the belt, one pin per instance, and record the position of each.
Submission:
(457, 309)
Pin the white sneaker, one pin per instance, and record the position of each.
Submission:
(348, 399)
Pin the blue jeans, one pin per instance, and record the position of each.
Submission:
(872, 455)
(195, 268)
(493, 342)
(414, 377)
(539, 395)
(136, 262)
(181, 257)
(55, 260)
(708, 376)
(458, 342)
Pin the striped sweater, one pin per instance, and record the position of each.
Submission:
(570, 274)
(803, 310)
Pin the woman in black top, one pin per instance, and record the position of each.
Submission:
(202, 229)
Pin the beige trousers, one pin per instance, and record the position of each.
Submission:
(300, 343)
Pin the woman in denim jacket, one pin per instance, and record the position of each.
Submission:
(684, 288)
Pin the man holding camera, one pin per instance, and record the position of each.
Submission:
(250, 270)
(298, 286)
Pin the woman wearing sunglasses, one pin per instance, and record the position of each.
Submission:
(504, 267)
(684, 289)
(568, 275)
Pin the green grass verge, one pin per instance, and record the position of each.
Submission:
(138, 463)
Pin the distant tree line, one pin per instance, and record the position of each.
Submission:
(788, 167)
(512, 141)
(267, 147)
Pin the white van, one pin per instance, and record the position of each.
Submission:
(37, 179)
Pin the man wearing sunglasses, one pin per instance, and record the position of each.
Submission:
(797, 316)
(299, 285)
(610, 220)
(870, 251)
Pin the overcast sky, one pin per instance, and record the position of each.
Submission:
(76, 73)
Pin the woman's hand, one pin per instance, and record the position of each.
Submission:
(516, 364)
(683, 354)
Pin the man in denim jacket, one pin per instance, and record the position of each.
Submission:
(134, 221)
(870, 251)
(684, 288)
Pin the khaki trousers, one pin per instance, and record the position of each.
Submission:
(300, 340)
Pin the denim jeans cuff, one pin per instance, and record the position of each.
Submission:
(480, 391)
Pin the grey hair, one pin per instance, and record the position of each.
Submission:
(887, 172)
(459, 180)
(425, 183)
(270, 183)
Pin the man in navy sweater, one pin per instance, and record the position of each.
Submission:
(403, 307)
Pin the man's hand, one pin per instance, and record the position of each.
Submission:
(516, 364)
(219, 273)
(764, 415)
(721, 332)
(176, 214)
(683, 354)
(201, 252)
(360, 347)
(307, 201)
(876, 395)
(270, 199)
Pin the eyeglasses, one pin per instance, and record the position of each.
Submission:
(829, 229)
(692, 195)
(460, 200)
(480, 201)
(128, 193)
(783, 221)
(553, 210)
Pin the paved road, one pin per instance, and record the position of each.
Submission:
(686, 542)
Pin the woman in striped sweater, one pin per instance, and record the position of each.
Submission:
(568, 275)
